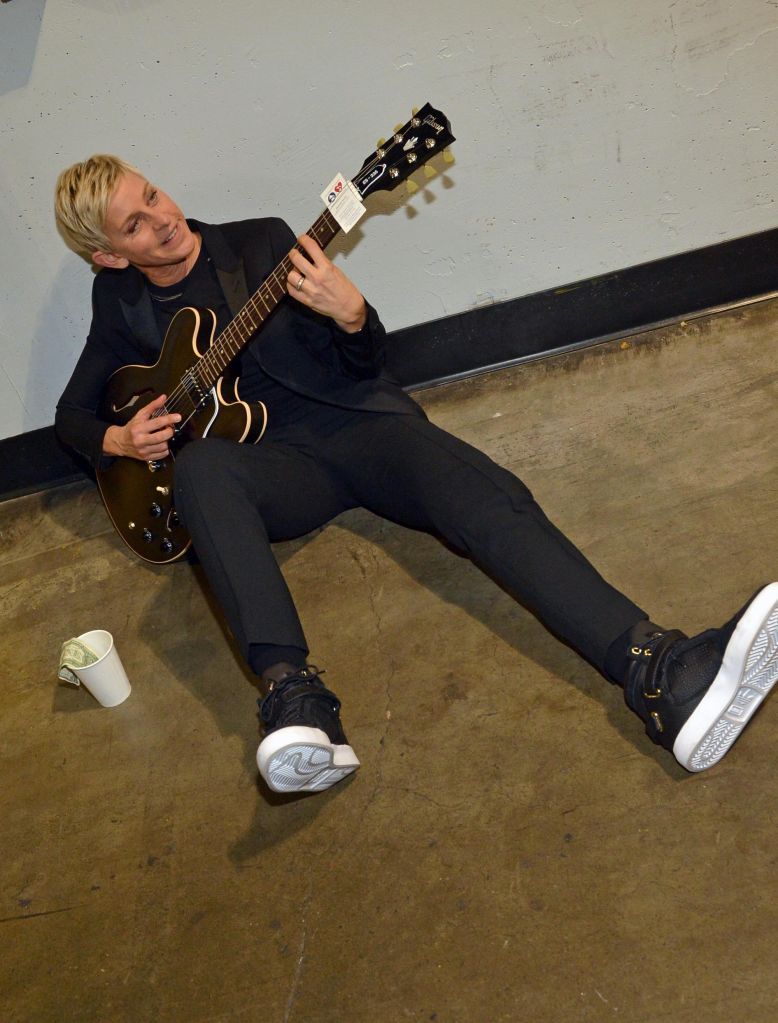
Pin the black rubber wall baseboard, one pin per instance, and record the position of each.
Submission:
(522, 329)
(600, 308)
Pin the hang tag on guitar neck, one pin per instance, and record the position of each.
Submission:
(344, 202)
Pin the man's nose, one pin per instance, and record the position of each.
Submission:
(161, 219)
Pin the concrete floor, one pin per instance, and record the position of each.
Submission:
(513, 848)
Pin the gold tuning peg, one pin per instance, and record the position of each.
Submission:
(414, 111)
(380, 143)
(411, 186)
(448, 156)
(429, 171)
(398, 126)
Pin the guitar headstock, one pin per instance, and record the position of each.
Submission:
(428, 132)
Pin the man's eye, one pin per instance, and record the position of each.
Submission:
(133, 227)
(153, 196)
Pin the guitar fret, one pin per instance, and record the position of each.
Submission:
(244, 325)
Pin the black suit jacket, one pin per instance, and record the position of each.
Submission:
(296, 347)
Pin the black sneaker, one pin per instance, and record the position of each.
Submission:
(696, 695)
(304, 748)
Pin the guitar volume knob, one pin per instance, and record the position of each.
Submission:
(148, 536)
(155, 510)
(166, 546)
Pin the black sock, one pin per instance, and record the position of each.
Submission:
(267, 655)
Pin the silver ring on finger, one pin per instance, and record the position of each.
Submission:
(300, 282)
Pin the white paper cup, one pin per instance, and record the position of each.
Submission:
(106, 678)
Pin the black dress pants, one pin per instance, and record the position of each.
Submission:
(237, 499)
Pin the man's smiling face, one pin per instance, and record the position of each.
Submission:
(146, 228)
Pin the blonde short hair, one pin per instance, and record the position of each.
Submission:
(81, 199)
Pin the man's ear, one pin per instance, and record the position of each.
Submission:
(110, 260)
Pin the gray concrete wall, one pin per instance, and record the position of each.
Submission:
(593, 135)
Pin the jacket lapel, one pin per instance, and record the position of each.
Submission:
(229, 268)
(141, 320)
(234, 286)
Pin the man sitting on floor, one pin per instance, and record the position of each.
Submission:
(340, 435)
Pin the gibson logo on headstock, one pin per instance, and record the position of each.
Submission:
(430, 120)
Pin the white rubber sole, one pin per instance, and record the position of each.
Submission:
(302, 759)
(749, 670)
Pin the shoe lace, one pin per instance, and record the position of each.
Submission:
(281, 702)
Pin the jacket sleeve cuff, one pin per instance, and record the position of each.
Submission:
(364, 351)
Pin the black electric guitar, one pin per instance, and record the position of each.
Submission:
(192, 369)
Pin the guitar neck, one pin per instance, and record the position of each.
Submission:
(411, 145)
(237, 334)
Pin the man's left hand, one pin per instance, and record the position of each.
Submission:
(319, 284)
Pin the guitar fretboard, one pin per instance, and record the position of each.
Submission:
(202, 376)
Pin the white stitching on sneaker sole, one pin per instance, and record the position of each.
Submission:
(747, 673)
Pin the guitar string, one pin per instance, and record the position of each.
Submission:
(236, 332)
(231, 335)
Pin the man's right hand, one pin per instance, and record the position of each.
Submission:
(145, 436)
